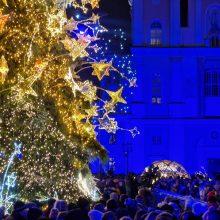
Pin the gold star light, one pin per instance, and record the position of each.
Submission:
(101, 69)
(24, 86)
(116, 96)
(94, 3)
(92, 111)
(3, 20)
(72, 82)
(3, 69)
(75, 49)
(71, 25)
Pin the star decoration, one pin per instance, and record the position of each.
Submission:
(94, 3)
(11, 180)
(92, 112)
(134, 132)
(78, 115)
(71, 25)
(72, 82)
(56, 22)
(3, 69)
(95, 47)
(94, 18)
(3, 20)
(109, 107)
(108, 124)
(86, 39)
(17, 146)
(133, 82)
(24, 86)
(75, 48)
(101, 69)
(87, 88)
(116, 96)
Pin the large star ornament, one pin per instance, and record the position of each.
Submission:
(101, 69)
(116, 96)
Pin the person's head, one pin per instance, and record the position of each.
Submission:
(120, 212)
(198, 209)
(164, 216)
(53, 213)
(211, 215)
(34, 213)
(61, 205)
(114, 196)
(50, 202)
(111, 205)
(167, 208)
(61, 215)
(125, 218)
(95, 215)
(122, 199)
(189, 203)
(37, 202)
(100, 207)
(109, 216)
(131, 203)
(18, 205)
(83, 203)
(139, 214)
(74, 214)
(151, 216)
(72, 206)
(212, 200)
(176, 209)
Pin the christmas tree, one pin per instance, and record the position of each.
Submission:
(44, 104)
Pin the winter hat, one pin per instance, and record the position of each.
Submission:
(95, 215)
(212, 193)
(211, 199)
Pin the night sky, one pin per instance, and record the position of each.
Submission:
(116, 13)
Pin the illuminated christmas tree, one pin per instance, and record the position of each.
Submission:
(45, 105)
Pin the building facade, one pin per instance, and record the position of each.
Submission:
(176, 106)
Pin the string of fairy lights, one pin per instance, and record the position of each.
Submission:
(48, 100)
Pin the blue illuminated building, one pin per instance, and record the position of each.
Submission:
(176, 106)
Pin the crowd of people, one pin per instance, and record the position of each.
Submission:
(132, 198)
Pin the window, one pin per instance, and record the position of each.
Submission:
(156, 89)
(184, 13)
(156, 140)
(212, 83)
(156, 34)
(213, 30)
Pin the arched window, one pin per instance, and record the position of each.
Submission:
(156, 89)
(213, 27)
(156, 34)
